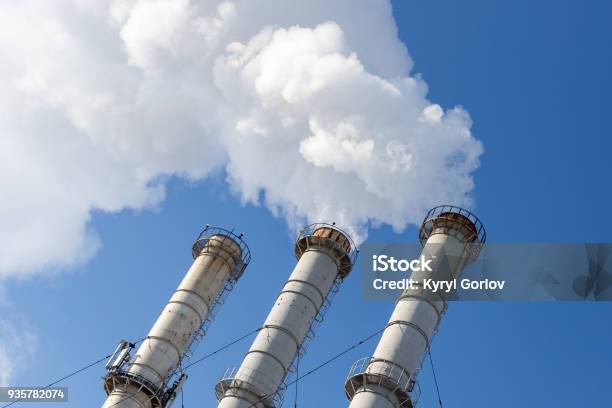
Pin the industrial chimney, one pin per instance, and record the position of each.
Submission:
(452, 238)
(153, 376)
(325, 257)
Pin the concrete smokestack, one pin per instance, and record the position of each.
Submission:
(325, 257)
(452, 238)
(152, 377)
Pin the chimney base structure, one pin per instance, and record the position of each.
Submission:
(153, 376)
(452, 238)
(325, 257)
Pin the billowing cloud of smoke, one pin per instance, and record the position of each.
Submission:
(308, 106)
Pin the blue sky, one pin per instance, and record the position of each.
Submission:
(535, 79)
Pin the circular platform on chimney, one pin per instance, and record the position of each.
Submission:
(457, 222)
(329, 236)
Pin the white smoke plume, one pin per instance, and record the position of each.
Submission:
(18, 344)
(309, 107)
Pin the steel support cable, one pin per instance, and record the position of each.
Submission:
(323, 364)
(435, 378)
(297, 374)
(231, 343)
(65, 377)
(72, 374)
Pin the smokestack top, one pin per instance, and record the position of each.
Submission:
(228, 242)
(457, 222)
(333, 238)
